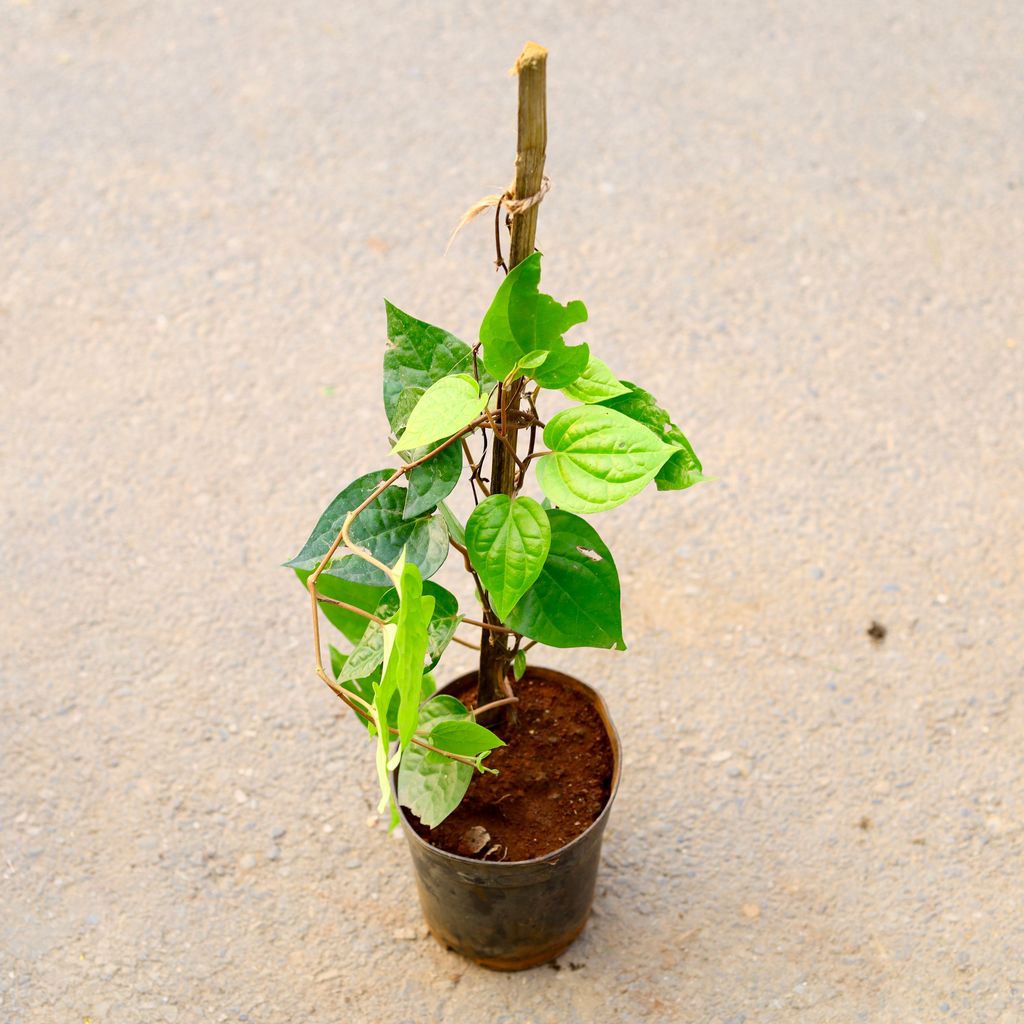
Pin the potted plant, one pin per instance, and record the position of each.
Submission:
(503, 781)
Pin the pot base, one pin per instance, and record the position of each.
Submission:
(512, 915)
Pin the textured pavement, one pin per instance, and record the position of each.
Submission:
(798, 224)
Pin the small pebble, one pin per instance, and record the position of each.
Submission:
(277, 832)
(274, 853)
(751, 911)
(720, 756)
(247, 862)
(240, 796)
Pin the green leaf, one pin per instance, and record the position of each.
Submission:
(455, 528)
(445, 408)
(363, 688)
(419, 355)
(508, 540)
(519, 665)
(465, 738)
(596, 384)
(432, 789)
(522, 321)
(433, 481)
(405, 645)
(368, 654)
(599, 459)
(683, 468)
(575, 601)
(381, 528)
(528, 362)
(350, 623)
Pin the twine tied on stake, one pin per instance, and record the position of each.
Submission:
(496, 201)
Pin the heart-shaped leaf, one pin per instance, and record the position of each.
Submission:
(507, 539)
(418, 355)
(522, 321)
(599, 459)
(465, 738)
(444, 409)
(575, 601)
(380, 528)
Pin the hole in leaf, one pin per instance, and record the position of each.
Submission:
(589, 553)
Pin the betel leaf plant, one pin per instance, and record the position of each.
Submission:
(540, 570)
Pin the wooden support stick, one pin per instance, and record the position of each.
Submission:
(531, 67)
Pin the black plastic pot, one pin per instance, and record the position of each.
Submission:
(510, 915)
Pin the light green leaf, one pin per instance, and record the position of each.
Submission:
(351, 624)
(575, 601)
(433, 481)
(522, 321)
(596, 384)
(528, 362)
(407, 401)
(405, 666)
(432, 789)
(599, 459)
(445, 408)
(465, 738)
(508, 540)
(418, 355)
(380, 527)
(519, 665)
(683, 468)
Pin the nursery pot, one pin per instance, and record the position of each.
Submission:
(510, 915)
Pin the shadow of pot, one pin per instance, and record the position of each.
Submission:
(511, 915)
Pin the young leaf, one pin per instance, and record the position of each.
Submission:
(381, 528)
(407, 401)
(418, 355)
(683, 468)
(528, 362)
(363, 688)
(445, 408)
(519, 665)
(599, 459)
(522, 321)
(508, 540)
(351, 624)
(433, 481)
(596, 384)
(465, 738)
(575, 601)
(432, 789)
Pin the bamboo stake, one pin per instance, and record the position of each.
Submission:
(531, 147)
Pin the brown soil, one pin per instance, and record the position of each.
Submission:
(554, 778)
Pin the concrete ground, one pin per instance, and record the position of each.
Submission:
(800, 224)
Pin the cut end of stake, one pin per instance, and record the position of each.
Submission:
(533, 53)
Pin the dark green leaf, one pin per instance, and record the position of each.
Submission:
(683, 468)
(519, 665)
(455, 528)
(419, 354)
(575, 601)
(600, 458)
(381, 528)
(407, 401)
(523, 321)
(433, 481)
(350, 623)
(465, 738)
(508, 540)
(432, 789)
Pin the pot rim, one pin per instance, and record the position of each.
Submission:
(555, 855)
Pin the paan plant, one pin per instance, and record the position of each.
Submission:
(541, 573)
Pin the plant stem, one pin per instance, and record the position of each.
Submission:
(531, 147)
